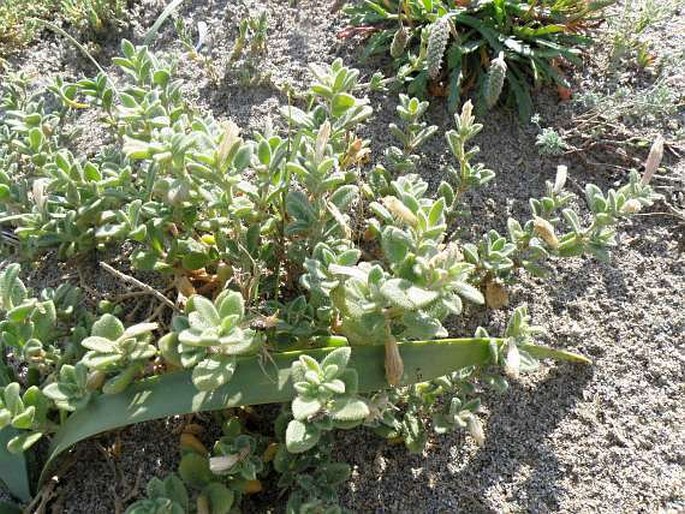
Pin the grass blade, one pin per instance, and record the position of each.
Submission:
(170, 8)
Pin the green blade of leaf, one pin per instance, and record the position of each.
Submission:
(520, 89)
(13, 468)
(174, 394)
(545, 352)
(9, 508)
(168, 10)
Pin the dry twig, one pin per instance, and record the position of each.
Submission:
(134, 281)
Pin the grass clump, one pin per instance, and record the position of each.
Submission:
(497, 50)
(18, 25)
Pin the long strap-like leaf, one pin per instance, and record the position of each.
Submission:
(13, 470)
(168, 10)
(174, 394)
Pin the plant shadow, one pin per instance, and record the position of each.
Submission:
(517, 460)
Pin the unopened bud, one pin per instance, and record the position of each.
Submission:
(399, 210)
(545, 230)
(496, 295)
(560, 180)
(322, 140)
(512, 366)
(631, 206)
(399, 42)
(95, 380)
(189, 442)
(202, 504)
(223, 463)
(475, 428)
(39, 192)
(253, 486)
(656, 153)
(230, 136)
(466, 118)
(394, 367)
(184, 286)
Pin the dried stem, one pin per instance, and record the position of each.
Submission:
(134, 281)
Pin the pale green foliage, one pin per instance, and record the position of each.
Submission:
(283, 240)
(326, 399)
(492, 47)
(458, 414)
(467, 175)
(312, 476)
(27, 412)
(415, 134)
(31, 325)
(12, 289)
(550, 142)
(210, 338)
(71, 390)
(221, 477)
(168, 496)
(249, 47)
(628, 28)
(235, 456)
(18, 28)
(112, 348)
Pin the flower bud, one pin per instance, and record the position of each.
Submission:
(189, 442)
(394, 367)
(95, 380)
(253, 486)
(223, 463)
(229, 138)
(512, 365)
(437, 44)
(560, 179)
(399, 42)
(496, 295)
(631, 206)
(399, 210)
(495, 80)
(322, 140)
(656, 153)
(545, 230)
(475, 428)
(39, 192)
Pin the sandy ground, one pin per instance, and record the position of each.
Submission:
(606, 438)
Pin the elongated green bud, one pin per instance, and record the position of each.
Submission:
(399, 42)
(437, 44)
(495, 80)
